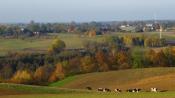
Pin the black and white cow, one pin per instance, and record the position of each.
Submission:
(118, 90)
(100, 89)
(134, 90)
(129, 90)
(106, 90)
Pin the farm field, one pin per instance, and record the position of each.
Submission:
(42, 44)
(97, 95)
(71, 40)
(162, 78)
(74, 87)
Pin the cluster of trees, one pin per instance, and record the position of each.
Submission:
(144, 41)
(154, 42)
(58, 62)
(16, 30)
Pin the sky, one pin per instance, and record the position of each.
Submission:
(85, 10)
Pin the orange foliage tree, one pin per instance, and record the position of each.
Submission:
(57, 74)
(101, 61)
(87, 64)
(123, 60)
(22, 77)
(42, 74)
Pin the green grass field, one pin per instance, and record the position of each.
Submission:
(97, 95)
(71, 40)
(26, 91)
(42, 44)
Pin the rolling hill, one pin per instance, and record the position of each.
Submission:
(20, 89)
(162, 78)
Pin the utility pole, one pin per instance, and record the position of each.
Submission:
(161, 29)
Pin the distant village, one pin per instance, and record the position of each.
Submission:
(90, 29)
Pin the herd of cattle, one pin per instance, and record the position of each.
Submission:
(119, 90)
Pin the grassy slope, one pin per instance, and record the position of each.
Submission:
(162, 78)
(6, 89)
(105, 79)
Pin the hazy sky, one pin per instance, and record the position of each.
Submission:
(85, 10)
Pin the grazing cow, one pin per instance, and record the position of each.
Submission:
(153, 89)
(134, 90)
(129, 90)
(137, 90)
(88, 88)
(118, 90)
(106, 90)
(100, 89)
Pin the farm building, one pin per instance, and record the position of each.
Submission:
(128, 28)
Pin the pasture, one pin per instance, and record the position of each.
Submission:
(43, 43)
(75, 86)
(27, 91)
(162, 78)
(71, 40)
(97, 95)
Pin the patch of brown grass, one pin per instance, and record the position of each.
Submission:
(162, 78)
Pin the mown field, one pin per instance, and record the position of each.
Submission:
(162, 78)
(71, 40)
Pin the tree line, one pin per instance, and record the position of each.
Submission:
(115, 53)
(17, 30)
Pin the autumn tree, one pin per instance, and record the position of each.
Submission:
(150, 57)
(57, 46)
(154, 42)
(73, 66)
(160, 59)
(123, 60)
(57, 74)
(101, 61)
(112, 59)
(22, 77)
(42, 74)
(170, 56)
(87, 64)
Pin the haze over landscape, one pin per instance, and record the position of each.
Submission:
(84, 11)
